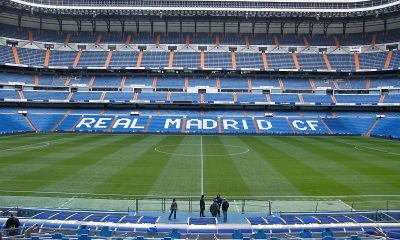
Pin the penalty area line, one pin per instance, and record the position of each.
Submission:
(356, 146)
(32, 146)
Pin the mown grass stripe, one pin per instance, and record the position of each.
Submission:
(181, 174)
(55, 169)
(262, 177)
(221, 174)
(19, 164)
(347, 169)
(368, 165)
(139, 176)
(91, 175)
(292, 164)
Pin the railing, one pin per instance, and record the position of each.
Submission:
(134, 204)
(268, 206)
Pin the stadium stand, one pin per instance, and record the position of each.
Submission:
(211, 71)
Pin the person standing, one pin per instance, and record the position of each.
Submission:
(214, 208)
(218, 199)
(12, 225)
(224, 207)
(174, 208)
(202, 206)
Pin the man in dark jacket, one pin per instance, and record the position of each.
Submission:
(202, 206)
(12, 225)
(225, 206)
(218, 199)
(214, 208)
(174, 208)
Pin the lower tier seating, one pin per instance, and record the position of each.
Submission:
(197, 124)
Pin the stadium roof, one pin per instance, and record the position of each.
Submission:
(212, 5)
(255, 11)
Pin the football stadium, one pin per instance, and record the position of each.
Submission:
(116, 116)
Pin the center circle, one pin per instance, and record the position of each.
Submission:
(193, 150)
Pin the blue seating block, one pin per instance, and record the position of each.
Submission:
(260, 234)
(306, 234)
(237, 235)
(105, 231)
(327, 233)
(174, 234)
(84, 237)
(83, 230)
(57, 236)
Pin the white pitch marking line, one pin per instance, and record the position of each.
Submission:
(77, 194)
(375, 149)
(32, 146)
(27, 147)
(201, 165)
(66, 202)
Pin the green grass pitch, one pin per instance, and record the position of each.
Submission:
(265, 167)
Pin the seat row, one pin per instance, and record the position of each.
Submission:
(181, 82)
(31, 34)
(190, 98)
(311, 61)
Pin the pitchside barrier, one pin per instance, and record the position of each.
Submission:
(270, 206)
(266, 205)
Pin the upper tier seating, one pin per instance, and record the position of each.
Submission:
(311, 61)
(235, 83)
(249, 60)
(288, 39)
(342, 61)
(45, 95)
(372, 60)
(92, 59)
(155, 59)
(86, 96)
(192, 60)
(186, 60)
(218, 60)
(123, 58)
(314, 98)
(119, 96)
(170, 82)
(107, 81)
(6, 55)
(165, 96)
(280, 61)
(62, 58)
(10, 94)
(359, 98)
(31, 57)
(181, 82)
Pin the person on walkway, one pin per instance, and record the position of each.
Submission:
(218, 199)
(12, 225)
(214, 208)
(224, 207)
(174, 208)
(202, 206)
